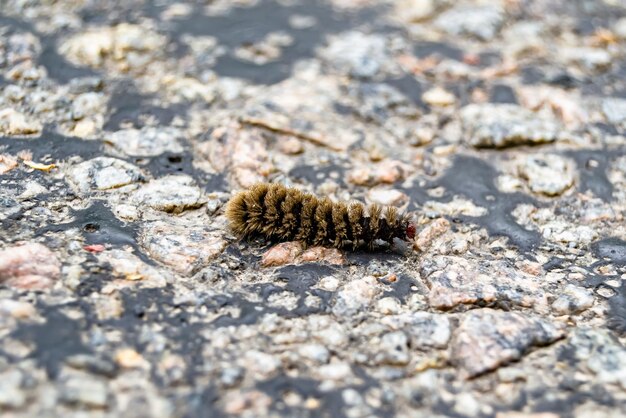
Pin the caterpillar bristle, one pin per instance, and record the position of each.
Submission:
(280, 213)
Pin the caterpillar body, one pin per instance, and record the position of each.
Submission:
(280, 213)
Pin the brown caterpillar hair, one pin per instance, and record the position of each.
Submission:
(280, 213)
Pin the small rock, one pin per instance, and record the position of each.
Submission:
(426, 330)
(90, 393)
(334, 371)
(565, 232)
(615, 110)
(482, 22)
(128, 358)
(129, 267)
(316, 352)
(591, 58)
(147, 142)
(330, 283)
(414, 10)
(7, 163)
(573, 299)
(388, 306)
(184, 248)
(456, 280)
(103, 173)
(431, 232)
(390, 197)
(281, 254)
(293, 253)
(387, 172)
(487, 339)
(620, 28)
(30, 266)
(322, 255)
(261, 363)
(17, 309)
(174, 194)
(548, 174)
(500, 125)
(87, 104)
(466, 404)
(393, 349)
(231, 376)
(93, 364)
(357, 54)
(355, 296)
(11, 394)
(597, 352)
(125, 43)
(438, 97)
(13, 122)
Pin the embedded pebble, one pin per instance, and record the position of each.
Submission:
(415, 10)
(501, 125)
(393, 349)
(357, 54)
(146, 142)
(174, 194)
(482, 22)
(13, 122)
(456, 280)
(387, 197)
(128, 266)
(7, 163)
(487, 339)
(432, 231)
(354, 296)
(128, 44)
(103, 173)
(614, 109)
(573, 299)
(316, 352)
(426, 330)
(29, 266)
(17, 309)
(88, 393)
(548, 174)
(438, 97)
(184, 248)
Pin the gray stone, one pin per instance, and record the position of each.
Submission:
(90, 393)
(174, 194)
(185, 248)
(487, 339)
(147, 142)
(454, 281)
(355, 296)
(357, 54)
(599, 353)
(316, 352)
(393, 349)
(548, 174)
(614, 109)
(482, 22)
(12, 395)
(501, 125)
(103, 173)
(87, 104)
(573, 299)
(426, 330)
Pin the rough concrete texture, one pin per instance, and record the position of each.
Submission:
(126, 126)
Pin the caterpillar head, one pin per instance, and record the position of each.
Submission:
(410, 230)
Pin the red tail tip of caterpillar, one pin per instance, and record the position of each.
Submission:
(411, 229)
(279, 213)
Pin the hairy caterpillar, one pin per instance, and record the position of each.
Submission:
(281, 213)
